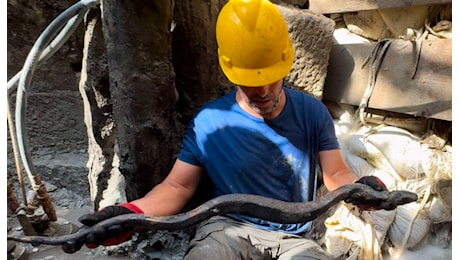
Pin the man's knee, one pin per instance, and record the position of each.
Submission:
(209, 242)
(204, 251)
(228, 248)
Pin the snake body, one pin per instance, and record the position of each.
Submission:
(243, 204)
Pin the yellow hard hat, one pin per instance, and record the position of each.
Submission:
(253, 42)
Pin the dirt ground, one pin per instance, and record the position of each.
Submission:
(62, 167)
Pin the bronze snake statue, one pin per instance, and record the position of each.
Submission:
(243, 204)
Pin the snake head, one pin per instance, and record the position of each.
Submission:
(397, 198)
(368, 199)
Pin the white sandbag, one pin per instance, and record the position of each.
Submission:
(405, 153)
(398, 20)
(438, 165)
(361, 167)
(357, 165)
(438, 211)
(353, 234)
(343, 121)
(368, 24)
(442, 188)
(357, 145)
(345, 36)
(383, 219)
(418, 186)
(408, 217)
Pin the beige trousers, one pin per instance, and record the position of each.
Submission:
(224, 238)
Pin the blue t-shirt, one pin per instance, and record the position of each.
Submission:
(276, 158)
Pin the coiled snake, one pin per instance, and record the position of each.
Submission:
(243, 204)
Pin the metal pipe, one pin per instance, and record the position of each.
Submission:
(26, 77)
(44, 199)
(21, 215)
(15, 152)
(54, 46)
(12, 202)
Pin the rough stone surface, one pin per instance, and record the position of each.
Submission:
(311, 35)
(194, 48)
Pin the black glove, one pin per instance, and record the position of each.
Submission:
(112, 235)
(373, 182)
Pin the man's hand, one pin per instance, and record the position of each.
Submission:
(373, 182)
(111, 236)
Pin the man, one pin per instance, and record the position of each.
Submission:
(261, 138)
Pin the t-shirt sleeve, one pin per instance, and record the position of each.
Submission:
(327, 136)
(190, 152)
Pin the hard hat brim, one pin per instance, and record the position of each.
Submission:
(257, 77)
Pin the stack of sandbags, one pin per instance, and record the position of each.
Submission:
(403, 161)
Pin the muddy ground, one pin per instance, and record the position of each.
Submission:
(65, 178)
(58, 146)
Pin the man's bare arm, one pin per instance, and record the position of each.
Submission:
(335, 171)
(170, 196)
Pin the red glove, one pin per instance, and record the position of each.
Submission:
(376, 184)
(112, 235)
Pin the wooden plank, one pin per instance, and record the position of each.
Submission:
(428, 94)
(345, 6)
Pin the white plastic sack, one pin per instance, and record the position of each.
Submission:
(354, 235)
(405, 153)
(408, 217)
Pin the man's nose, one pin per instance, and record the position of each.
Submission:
(262, 91)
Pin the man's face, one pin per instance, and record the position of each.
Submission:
(264, 99)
